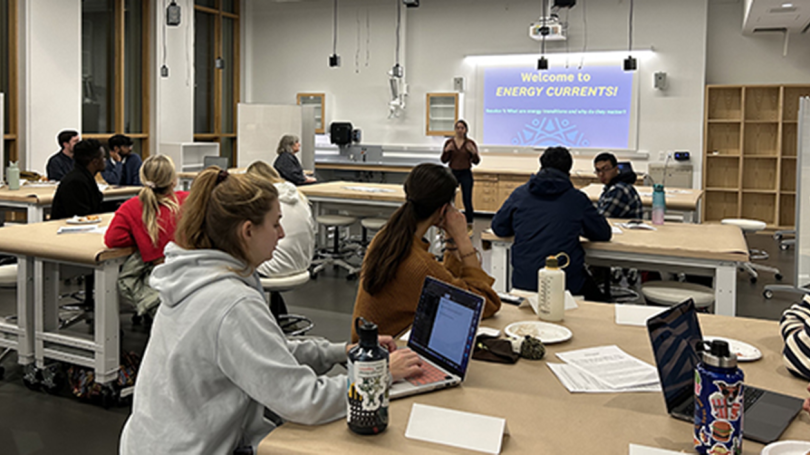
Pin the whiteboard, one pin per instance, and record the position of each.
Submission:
(803, 195)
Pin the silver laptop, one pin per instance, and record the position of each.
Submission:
(443, 334)
(674, 335)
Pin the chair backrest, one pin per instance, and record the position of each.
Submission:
(219, 161)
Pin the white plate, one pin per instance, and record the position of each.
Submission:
(82, 220)
(745, 352)
(547, 333)
(787, 448)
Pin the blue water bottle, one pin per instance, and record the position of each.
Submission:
(718, 400)
(368, 382)
(658, 204)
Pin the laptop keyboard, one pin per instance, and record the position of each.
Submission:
(750, 396)
(430, 374)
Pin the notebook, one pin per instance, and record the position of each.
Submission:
(674, 335)
(443, 334)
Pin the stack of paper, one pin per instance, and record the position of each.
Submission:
(604, 369)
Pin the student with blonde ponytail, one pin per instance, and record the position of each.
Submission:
(398, 260)
(216, 357)
(148, 223)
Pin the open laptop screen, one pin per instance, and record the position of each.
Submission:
(445, 324)
(674, 335)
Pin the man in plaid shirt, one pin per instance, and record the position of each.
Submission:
(619, 199)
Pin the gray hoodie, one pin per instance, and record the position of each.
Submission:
(216, 358)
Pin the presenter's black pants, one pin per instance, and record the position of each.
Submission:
(465, 179)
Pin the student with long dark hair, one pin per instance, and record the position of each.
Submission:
(216, 357)
(461, 152)
(398, 259)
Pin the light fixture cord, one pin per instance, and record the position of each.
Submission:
(543, 41)
(585, 33)
(630, 45)
(165, 10)
(334, 30)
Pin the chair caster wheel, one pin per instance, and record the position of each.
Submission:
(768, 294)
(351, 277)
(53, 379)
(778, 276)
(753, 279)
(2, 373)
(137, 320)
(32, 376)
(784, 247)
(777, 237)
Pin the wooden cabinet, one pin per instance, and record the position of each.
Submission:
(442, 114)
(319, 101)
(750, 135)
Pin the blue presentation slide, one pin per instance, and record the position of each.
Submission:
(587, 108)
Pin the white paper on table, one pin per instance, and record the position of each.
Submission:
(577, 381)
(616, 230)
(75, 229)
(456, 428)
(636, 315)
(406, 336)
(612, 366)
(531, 299)
(637, 226)
(102, 186)
(636, 449)
(368, 189)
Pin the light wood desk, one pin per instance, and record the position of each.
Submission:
(40, 251)
(543, 417)
(701, 249)
(36, 199)
(679, 199)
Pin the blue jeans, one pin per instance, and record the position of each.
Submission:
(465, 179)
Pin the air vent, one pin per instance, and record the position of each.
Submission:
(770, 29)
(792, 9)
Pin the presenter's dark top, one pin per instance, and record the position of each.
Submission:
(289, 168)
(460, 158)
(58, 166)
(77, 195)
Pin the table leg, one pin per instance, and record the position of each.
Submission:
(106, 322)
(35, 214)
(318, 209)
(25, 310)
(499, 268)
(725, 289)
(46, 302)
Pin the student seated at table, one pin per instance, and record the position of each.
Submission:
(148, 223)
(78, 193)
(795, 328)
(287, 164)
(216, 357)
(398, 260)
(294, 252)
(619, 198)
(123, 166)
(61, 162)
(547, 216)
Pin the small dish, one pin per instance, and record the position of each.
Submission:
(544, 331)
(787, 448)
(89, 219)
(745, 352)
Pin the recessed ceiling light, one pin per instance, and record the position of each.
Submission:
(787, 5)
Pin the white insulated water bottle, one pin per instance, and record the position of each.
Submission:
(551, 290)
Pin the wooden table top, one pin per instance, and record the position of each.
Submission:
(42, 194)
(542, 416)
(676, 198)
(383, 192)
(700, 241)
(41, 240)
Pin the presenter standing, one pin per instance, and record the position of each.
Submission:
(461, 152)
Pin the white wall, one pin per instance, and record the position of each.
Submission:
(51, 98)
(296, 40)
(732, 58)
(173, 96)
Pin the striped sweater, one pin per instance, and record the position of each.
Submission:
(795, 327)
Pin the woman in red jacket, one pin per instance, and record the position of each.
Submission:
(147, 223)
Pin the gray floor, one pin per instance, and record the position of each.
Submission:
(33, 422)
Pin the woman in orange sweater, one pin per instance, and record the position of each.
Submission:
(398, 259)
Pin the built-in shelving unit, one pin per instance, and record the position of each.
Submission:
(442, 114)
(749, 142)
(319, 101)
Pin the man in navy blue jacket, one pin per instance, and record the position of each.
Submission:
(123, 166)
(547, 216)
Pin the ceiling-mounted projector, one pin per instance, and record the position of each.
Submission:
(551, 28)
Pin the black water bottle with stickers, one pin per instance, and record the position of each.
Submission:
(368, 382)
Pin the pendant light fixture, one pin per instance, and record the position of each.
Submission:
(630, 63)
